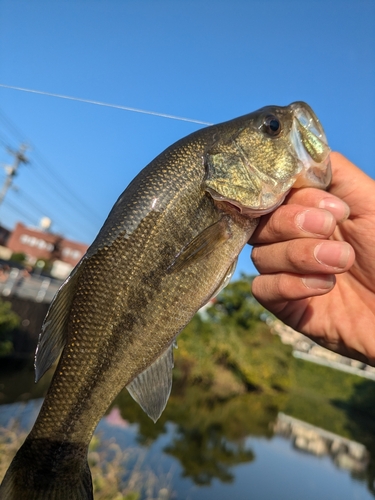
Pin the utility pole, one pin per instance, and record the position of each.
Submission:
(11, 170)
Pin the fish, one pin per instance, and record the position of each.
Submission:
(169, 244)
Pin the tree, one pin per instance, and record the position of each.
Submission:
(8, 322)
(19, 257)
(230, 350)
(236, 304)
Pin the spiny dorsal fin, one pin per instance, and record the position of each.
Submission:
(54, 329)
(151, 388)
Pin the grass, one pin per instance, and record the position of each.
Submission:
(323, 396)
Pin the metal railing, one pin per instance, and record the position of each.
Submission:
(20, 283)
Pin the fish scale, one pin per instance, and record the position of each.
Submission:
(120, 309)
(168, 245)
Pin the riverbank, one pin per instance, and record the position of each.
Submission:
(233, 378)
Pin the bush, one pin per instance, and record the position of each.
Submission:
(19, 257)
(229, 349)
(8, 322)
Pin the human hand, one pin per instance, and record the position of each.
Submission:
(317, 262)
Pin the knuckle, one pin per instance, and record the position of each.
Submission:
(277, 225)
(297, 255)
(281, 285)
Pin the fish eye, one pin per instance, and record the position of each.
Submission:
(272, 125)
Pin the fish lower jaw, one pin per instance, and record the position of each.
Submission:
(314, 175)
(232, 207)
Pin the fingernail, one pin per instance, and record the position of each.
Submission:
(319, 282)
(315, 221)
(332, 253)
(338, 208)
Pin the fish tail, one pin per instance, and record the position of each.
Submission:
(58, 472)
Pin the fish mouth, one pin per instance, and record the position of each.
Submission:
(309, 142)
(246, 187)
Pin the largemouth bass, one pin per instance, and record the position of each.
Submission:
(169, 244)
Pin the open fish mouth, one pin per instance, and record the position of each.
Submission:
(310, 145)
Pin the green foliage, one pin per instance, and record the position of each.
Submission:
(323, 382)
(205, 455)
(335, 401)
(362, 398)
(358, 408)
(210, 434)
(229, 350)
(228, 375)
(44, 265)
(18, 257)
(8, 322)
(319, 394)
(237, 305)
(231, 379)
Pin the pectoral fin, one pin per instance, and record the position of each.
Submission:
(226, 278)
(203, 244)
(54, 329)
(151, 388)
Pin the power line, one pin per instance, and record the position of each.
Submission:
(31, 202)
(108, 105)
(16, 132)
(62, 184)
(43, 212)
(6, 139)
(37, 211)
(65, 192)
(23, 214)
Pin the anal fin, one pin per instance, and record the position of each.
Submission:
(151, 388)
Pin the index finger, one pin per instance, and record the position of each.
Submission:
(306, 213)
(317, 198)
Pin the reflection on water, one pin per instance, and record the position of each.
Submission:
(345, 453)
(207, 455)
(17, 381)
(244, 447)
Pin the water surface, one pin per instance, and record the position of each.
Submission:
(217, 450)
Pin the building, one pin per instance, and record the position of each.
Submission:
(43, 245)
(4, 235)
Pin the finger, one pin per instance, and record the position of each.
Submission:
(293, 221)
(347, 181)
(303, 256)
(275, 291)
(317, 198)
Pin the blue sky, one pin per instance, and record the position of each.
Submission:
(209, 60)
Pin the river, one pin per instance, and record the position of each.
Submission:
(243, 448)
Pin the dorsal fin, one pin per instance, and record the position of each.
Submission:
(54, 329)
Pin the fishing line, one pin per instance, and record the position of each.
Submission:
(108, 105)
